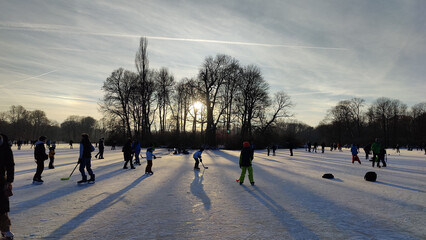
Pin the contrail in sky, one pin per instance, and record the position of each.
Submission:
(36, 76)
(75, 30)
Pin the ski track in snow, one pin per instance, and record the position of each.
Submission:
(289, 201)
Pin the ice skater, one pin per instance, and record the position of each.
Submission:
(137, 149)
(101, 148)
(367, 150)
(52, 156)
(86, 149)
(149, 155)
(128, 154)
(7, 174)
(40, 156)
(246, 157)
(197, 158)
(354, 151)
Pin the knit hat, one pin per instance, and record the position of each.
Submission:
(246, 144)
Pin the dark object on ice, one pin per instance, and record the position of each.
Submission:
(370, 176)
(328, 176)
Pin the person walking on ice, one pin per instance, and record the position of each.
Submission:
(86, 149)
(197, 158)
(246, 157)
(354, 151)
(149, 156)
(128, 154)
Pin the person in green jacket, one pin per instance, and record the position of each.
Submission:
(246, 157)
(376, 147)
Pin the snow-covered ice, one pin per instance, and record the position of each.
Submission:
(289, 201)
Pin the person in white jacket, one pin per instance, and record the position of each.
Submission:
(149, 156)
(197, 158)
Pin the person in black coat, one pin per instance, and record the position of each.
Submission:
(128, 154)
(40, 156)
(86, 149)
(101, 149)
(7, 173)
(246, 157)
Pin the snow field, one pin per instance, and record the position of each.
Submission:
(289, 201)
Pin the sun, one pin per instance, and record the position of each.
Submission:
(198, 105)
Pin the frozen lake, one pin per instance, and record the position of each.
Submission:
(289, 201)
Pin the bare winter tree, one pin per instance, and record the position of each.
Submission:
(280, 109)
(146, 88)
(233, 79)
(164, 82)
(212, 76)
(381, 111)
(252, 98)
(118, 89)
(356, 105)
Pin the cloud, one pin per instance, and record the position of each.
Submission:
(317, 52)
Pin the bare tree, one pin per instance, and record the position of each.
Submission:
(211, 78)
(164, 82)
(252, 98)
(356, 106)
(146, 87)
(280, 109)
(118, 89)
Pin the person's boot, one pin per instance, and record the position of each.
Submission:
(7, 235)
(84, 180)
(92, 179)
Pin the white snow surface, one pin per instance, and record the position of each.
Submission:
(290, 200)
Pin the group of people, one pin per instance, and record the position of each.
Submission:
(245, 163)
(85, 156)
(133, 149)
(378, 149)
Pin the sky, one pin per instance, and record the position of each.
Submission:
(55, 55)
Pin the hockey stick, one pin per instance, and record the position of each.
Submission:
(63, 179)
(204, 166)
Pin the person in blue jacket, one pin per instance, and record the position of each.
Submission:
(354, 151)
(137, 149)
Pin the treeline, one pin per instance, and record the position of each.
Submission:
(21, 124)
(352, 121)
(223, 104)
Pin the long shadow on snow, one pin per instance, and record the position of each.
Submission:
(197, 189)
(292, 225)
(327, 211)
(286, 218)
(93, 210)
(61, 192)
(401, 187)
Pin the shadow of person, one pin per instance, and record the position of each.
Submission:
(197, 189)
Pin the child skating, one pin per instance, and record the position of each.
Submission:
(149, 156)
(354, 151)
(52, 156)
(246, 157)
(197, 158)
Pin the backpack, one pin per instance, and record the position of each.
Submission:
(328, 176)
(370, 176)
